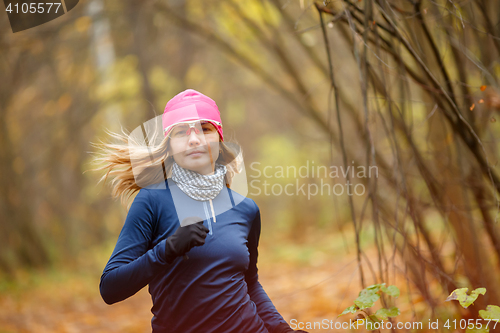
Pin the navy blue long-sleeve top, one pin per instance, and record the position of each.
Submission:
(216, 289)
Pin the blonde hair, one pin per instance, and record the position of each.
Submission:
(135, 163)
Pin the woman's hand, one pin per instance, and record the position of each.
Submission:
(185, 238)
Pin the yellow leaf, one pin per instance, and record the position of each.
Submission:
(83, 23)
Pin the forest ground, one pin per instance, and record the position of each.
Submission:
(310, 282)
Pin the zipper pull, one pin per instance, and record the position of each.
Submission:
(213, 212)
(207, 215)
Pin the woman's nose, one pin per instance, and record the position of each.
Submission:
(194, 139)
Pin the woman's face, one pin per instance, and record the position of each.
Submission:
(195, 146)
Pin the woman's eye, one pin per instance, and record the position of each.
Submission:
(178, 133)
(208, 129)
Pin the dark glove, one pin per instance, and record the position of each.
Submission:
(185, 238)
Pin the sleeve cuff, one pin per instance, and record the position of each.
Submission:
(169, 251)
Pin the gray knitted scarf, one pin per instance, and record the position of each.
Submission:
(197, 186)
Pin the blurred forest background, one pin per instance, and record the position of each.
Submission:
(408, 86)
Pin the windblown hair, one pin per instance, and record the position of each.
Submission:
(135, 163)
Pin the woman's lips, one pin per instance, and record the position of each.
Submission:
(196, 153)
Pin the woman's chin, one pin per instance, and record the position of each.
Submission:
(196, 163)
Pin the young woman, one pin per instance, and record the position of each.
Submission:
(187, 235)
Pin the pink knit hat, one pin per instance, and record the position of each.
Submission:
(191, 105)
